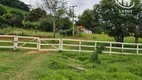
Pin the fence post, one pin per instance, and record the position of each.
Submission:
(122, 47)
(110, 48)
(95, 45)
(61, 44)
(137, 49)
(79, 46)
(15, 42)
(38, 43)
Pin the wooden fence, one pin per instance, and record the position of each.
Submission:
(73, 45)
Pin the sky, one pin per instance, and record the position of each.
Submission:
(81, 4)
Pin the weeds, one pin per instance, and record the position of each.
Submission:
(95, 55)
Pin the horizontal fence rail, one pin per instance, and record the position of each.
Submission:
(53, 44)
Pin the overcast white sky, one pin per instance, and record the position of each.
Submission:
(81, 4)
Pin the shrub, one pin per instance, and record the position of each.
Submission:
(95, 55)
(67, 32)
(46, 25)
(31, 25)
(17, 13)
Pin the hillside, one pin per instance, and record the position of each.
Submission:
(8, 8)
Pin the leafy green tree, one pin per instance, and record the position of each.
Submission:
(13, 19)
(115, 23)
(90, 19)
(35, 15)
(2, 21)
(86, 19)
(137, 25)
(65, 26)
(46, 24)
(17, 13)
(2, 10)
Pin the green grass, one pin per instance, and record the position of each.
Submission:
(17, 65)
(104, 37)
(11, 8)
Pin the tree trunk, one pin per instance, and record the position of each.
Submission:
(119, 39)
(54, 29)
(137, 34)
(136, 39)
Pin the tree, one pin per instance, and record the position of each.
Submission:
(2, 21)
(17, 13)
(2, 10)
(57, 9)
(115, 23)
(90, 19)
(46, 24)
(13, 19)
(86, 19)
(35, 15)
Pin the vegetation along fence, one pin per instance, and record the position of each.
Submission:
(53, 44)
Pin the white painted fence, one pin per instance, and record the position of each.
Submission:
(73, 45)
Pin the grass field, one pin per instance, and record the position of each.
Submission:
(22, 65)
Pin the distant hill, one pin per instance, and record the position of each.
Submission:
(8, 8)
(16, 4)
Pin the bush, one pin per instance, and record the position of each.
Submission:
(67, 32)
(95, 55)
(8, 17)
(46, 25)
(17, 13)
(31, 25)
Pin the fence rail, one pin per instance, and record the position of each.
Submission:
(53, 44)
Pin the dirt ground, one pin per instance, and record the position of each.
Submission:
(37, 52)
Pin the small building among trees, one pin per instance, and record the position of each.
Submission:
(83, 29)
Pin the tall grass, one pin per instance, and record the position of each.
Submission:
(26, 32)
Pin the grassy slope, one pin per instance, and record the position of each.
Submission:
(57, 66)
(10, 8)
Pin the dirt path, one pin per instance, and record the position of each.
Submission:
(27, 68)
